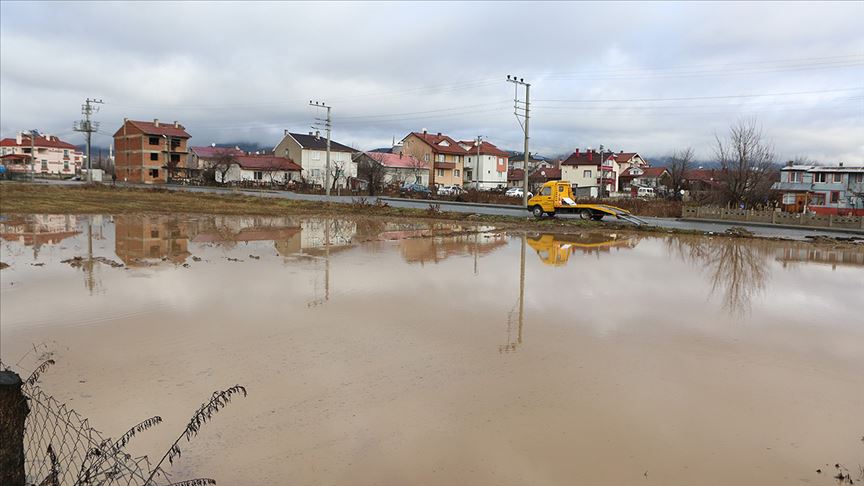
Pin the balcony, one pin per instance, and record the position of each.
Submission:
(445, 165)
(792, 186)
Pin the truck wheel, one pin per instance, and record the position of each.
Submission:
(585, 214)
(537, 211)
(597, 217)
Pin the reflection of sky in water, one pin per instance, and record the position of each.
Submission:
(394, 333)
(604, 280)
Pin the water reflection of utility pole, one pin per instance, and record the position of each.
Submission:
(476, 247)
(327, 261)
(90, 280)
(511, 345)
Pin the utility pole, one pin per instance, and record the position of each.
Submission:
(476, 167)
(33, 134)
(327, 126)
(602, 173)
(88, 127)
(521, 112)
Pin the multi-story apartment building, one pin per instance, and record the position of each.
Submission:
(444, 153)
(822, 189)
(485, 165)
(150, 152)
(587, 169)
(44, 155)
(310, 152)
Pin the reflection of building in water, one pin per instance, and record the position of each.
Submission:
(829, 256)
(436, 248)
(227, 231)
(555, 249)
(143, 240)
(40, 229)
(318, 234)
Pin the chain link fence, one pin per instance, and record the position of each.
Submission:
(62, 448)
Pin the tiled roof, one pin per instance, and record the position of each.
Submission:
(545, 174)
(150, 128)
(582, 158)
(397, 160)
(41, 141)
(210, 152)
(515, 175)
(313, 142)
(434, 141)
(266, 162)
(486, 148)
(653, 171)
(701, 174)
(624, 156)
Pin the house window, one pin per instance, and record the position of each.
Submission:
(835, 197)
(440, 173)
(820, 177)
(316, 155)
(426, 157)
(456, 173)
(44, 164)
(258, 175)
(316, 173)
(65, 165)
(65, 153)
(154, 173)
(789, 198)
(586, 173)
(856, 178)
(838, 177)
(154, 233)
(154, 156)
(175, 157)
(795, 176)
(154, 140)
(439, 158)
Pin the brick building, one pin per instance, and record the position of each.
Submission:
(150, 152)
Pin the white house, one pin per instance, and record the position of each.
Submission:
(585, 169)
(485, 165)
(311, 152)
(51, 156)
(400, 168)
(260, 168)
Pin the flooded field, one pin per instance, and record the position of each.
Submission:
(390, 353)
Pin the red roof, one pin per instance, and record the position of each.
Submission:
(397, 161)
(546, 174)
(515, 175)
(486, 148)
(582, 158)
(46, 141)
(624, 156)
(150, 128)
(433, 141)
(653, 171)
(16, 157)
(266, 162)
(212, 152)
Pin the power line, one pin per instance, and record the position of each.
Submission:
(691, 98)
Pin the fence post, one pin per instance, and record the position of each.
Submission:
(830, 220)
(13, 411)
(773, 217)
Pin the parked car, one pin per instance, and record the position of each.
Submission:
(415, 190)
(517, 192)
(450, 190)
(645, 192)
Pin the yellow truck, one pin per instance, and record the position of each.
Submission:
(556, 197)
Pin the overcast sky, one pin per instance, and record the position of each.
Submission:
(600, 73)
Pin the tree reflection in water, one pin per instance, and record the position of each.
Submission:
(737, 267)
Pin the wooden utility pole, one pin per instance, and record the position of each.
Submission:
(13, 412)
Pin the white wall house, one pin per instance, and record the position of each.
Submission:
(586, 168)
(51, 156)
(266, 169)
(485, 165)
(401, 169)
(311, 151)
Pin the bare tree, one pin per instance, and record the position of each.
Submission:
(337, 170)
(370, 168)
(679, 164)
(746, 165)
(222, 164)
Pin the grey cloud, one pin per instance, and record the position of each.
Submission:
(245, 71)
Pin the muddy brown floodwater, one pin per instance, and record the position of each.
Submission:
(388, 354)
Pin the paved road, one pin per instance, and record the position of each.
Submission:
(499, 210)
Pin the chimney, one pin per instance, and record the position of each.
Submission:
(285, 134)
(176, 124)
(577, 152)
(156, 122)
(841, 164)
(591, 155)
(18, 139)
(439, 134)
(424, 131)
(317, 134)
(311, 133)
(789, 163)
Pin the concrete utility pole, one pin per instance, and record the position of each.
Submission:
(602, 173)
(88, 127)
(33, 134)
(524, 113)
(477, 165)
(327, 126)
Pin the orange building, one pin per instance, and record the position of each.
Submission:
(150, 152)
